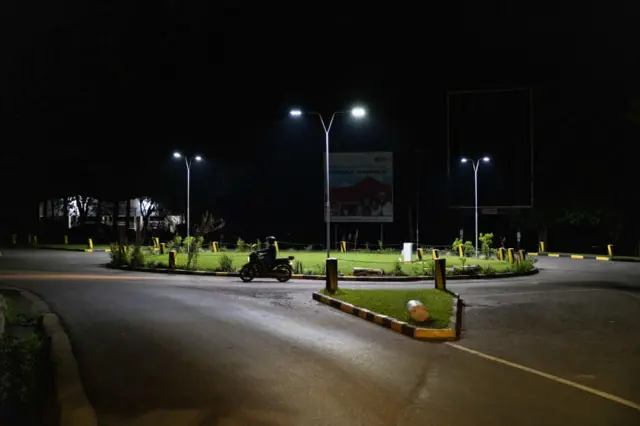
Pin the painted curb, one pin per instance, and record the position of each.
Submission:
(322, 277)
(573, 256)
(453, 332)
(75, 408)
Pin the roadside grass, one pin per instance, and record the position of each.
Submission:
(314, 262)
(393, 303)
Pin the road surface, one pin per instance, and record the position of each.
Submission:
(558, 348)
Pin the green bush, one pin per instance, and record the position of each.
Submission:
(137, 257)
(522, 266)
(380, 247)
(120, 255)
(489, 270)
(175, 243)
(469, 249)
(242, 246)
(486, 241)
(454, 247)
(226, 264)
(298, 267)
(397, 269)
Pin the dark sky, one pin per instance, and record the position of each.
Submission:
(96, 96)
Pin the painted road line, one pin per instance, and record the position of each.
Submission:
(556, 379)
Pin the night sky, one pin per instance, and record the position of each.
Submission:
(95, 98)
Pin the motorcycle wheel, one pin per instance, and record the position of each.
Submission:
(247, 273)
(284, 273)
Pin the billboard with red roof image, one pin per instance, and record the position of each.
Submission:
(361, 186)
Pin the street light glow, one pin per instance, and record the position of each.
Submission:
(358, 112)
(198, 158)
(485, 159)
(295, 113)
(463, 160)
(176, 154)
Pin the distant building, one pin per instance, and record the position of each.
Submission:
(74, 211)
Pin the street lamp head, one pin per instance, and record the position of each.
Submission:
(198, 158)
(176, 155)
(486, 159)
(463, 160)
(358, 112)
(295, 113)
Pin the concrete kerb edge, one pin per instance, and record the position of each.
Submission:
(453, 332)
(75, 408)
(322, 277)
(582, 257)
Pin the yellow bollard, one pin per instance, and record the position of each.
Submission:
(277, 247)
(511, 256)
(66, 239)
(343, 246)
(542, 247)
(523, 255)
(461, 250)
(90, 244)
(435, 254)
(214, 247)
(14, 239)
(610, 249)
(172, 259)
(501, 254)
(163, 248)
(35, 240)
(420, 253)
(156, 242)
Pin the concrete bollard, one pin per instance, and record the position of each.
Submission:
(343, 246)
(501, 254)
(610, 250)
(440, 273)
(511, 256)
(172, 259)
(417, 311)
(90, 244)
(163, 248)
(66, 239)
(523, 255)
(461, 250)
(214, 246)
(332, 275)
(541, 246)
(420, 253)
(435, 254)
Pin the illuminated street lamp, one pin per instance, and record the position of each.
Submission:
(187, 162)
(476, 165)
(357, 112)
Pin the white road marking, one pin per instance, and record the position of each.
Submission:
(556, 379)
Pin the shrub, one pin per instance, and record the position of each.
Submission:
(380, 247)
(397, 269)
(522, 267)
(298, 267)
(486, 241)
(366, 246)
(429, 268)
(23, 364)
(119, 255)
(320, 269)
(488, 270)
(469, 249)
(194, 251)
(226, 263)
(137, 257)
(454, 247)
(175, 243)
(241, 245)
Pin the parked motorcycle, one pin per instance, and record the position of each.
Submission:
(280, 269)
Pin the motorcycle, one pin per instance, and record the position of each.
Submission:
(280, 269)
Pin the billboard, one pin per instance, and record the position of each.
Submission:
(361, 186)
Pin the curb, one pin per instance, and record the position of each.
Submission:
(76, 250)
(75, 408)
(585, 256)
(323, 277)
(453, 332)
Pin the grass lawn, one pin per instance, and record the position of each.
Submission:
(73, 246)
(393, 303)
(313, 262)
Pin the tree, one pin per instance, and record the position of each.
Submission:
(207, 225)
(84, 205)
(147, 206)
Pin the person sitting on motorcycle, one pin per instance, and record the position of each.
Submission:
(268, 255)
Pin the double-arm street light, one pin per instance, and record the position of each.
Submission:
(476, 165)
(357, 112)
(187, 162)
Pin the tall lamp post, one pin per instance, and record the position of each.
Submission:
(476, 165)
(357, 112)
(187, 162)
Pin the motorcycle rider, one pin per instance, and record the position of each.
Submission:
(268, 255)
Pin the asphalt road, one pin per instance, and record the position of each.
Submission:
(180, 350)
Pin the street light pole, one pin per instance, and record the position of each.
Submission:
(476, 166)
(187, 162)
(356, 112)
